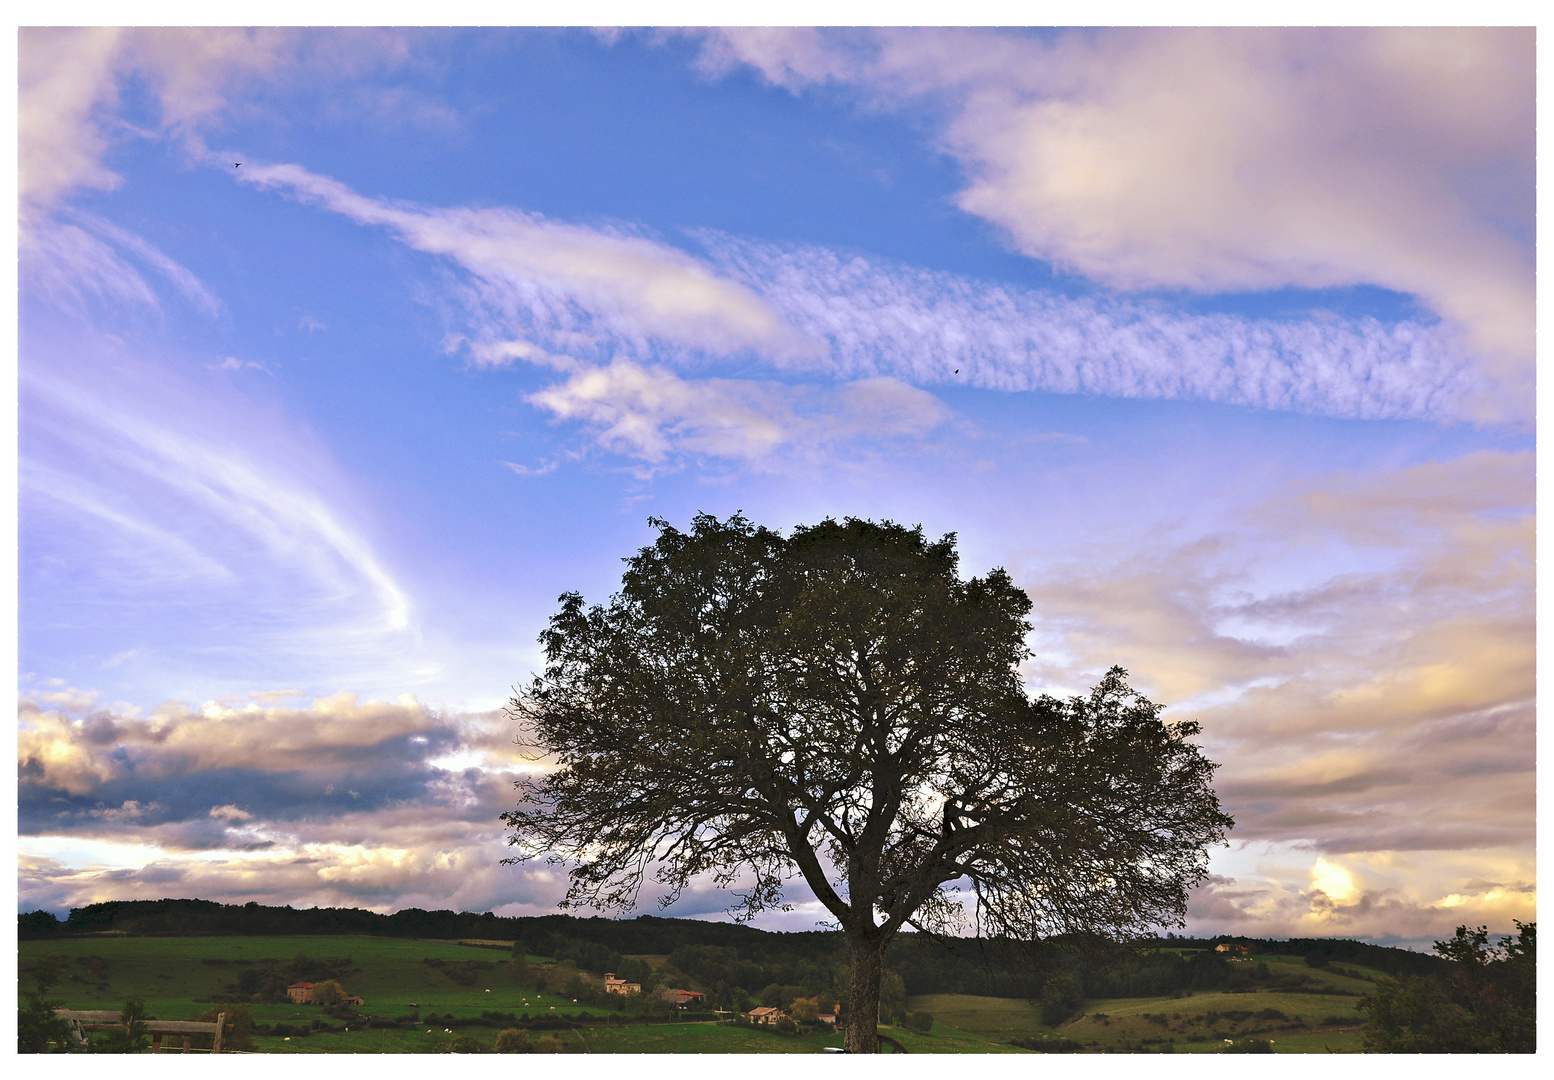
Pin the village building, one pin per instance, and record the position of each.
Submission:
(612, 985)
(767, 1015)
(301, 993)
(680, 997)
(1232, 950)
(827, 1018)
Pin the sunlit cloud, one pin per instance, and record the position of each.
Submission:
(649, 413)
(1378, 701)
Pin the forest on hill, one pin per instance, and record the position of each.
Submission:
(730, 954)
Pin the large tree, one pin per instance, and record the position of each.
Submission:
(839, 705)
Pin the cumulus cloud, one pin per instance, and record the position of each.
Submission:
(1230, 159)
(650, 412)
(333, 801)
(1403, 898)
(585, 278)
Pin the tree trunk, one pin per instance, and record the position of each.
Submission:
(863, 995)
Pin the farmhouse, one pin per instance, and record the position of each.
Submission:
(680, 997)
(1232, 950)
(301, 993)
(612, 985)
(827, 1018)
(767, 1015)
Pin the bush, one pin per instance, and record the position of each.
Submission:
(920, 1021)
(134, 1040)
(549, 1044)
(1060, 998)
(1317, 960)
(237, 1033)
(466, 1044)
(514, 1041)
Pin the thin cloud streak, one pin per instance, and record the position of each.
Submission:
(881, 318)
(586, 280)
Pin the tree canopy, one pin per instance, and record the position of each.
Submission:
(1485, 1004)
(839, 705)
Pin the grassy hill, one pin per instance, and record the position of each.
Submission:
(456, 983)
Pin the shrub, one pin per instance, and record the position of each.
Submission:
(514, 1041)
(549, 1044)
(920, 1021)
(1060, 998)
(329, 992)
(1316, 960)
(466, 1044)
(238, 1031)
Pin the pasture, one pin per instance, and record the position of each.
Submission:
(178, 978)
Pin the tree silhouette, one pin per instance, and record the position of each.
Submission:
(839, 705)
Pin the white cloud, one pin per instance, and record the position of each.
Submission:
(650, 412)
(140, 485)
(582, 277)
(1231, 159)
(578, 292)
(69, 84)
(882, 318)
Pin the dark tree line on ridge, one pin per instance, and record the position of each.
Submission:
(725, 957)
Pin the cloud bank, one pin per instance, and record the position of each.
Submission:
(1360, 652)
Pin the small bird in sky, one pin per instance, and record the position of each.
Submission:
(237, 164)
(957, 371)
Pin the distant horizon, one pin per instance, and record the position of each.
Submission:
(632, 916)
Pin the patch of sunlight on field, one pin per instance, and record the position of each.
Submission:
(1007, 1017)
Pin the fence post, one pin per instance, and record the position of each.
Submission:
(221, 1026)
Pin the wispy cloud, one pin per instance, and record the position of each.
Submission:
(813, 311)
(882, 318)
(584, 280)
(171, 500)
(1229, 159)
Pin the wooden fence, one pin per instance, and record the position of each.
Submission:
(84, 1020)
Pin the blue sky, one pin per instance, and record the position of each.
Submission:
(343, 353)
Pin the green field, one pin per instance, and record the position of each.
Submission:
(1325, 1021)
(177, 977)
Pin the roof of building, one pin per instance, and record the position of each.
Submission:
(300, 986)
